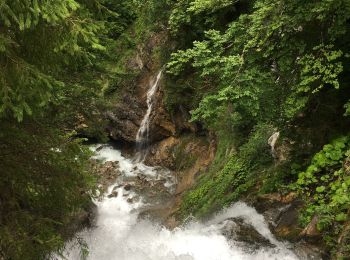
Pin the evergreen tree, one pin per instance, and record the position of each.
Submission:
(51, 74)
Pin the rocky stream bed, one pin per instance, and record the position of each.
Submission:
(129, 221)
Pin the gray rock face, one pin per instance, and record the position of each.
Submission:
(308, 251)
(125, 118)
(238, 230)
(128, 111)
(127, 114)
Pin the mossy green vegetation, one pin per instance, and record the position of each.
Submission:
(231, 174)
(183, 158)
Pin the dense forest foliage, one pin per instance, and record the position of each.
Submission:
(253, 68)
(54, 59)
(244, 68)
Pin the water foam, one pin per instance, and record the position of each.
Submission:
(120, 235)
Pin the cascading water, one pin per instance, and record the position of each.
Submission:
(142, 137)
(120, 234)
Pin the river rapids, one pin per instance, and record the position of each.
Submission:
(119, 234)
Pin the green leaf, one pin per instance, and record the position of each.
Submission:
(320, 189)
(341, 217)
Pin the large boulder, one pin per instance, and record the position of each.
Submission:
(236, 229)
(282, 214)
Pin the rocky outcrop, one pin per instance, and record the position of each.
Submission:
(183, 153)
(311, 231)
(128, 111)
(163, 153)
(187, 156)
(237, 229)
(282, 214)
(125, 118)
(161, 125)
(107, 172)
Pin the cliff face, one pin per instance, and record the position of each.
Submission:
(128, 111)
(188, 156)
(173, 140)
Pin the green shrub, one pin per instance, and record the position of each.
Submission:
(325, 186)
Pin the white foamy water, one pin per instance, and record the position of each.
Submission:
(120, 235)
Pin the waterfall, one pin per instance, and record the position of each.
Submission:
(142, 137)
(121, 234)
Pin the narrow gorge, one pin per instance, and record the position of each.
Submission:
(174, 129)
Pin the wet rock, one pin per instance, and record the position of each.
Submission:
(133, 199)
(101, 147)
(114, 194)
(127, 187)
(117, 187)
(238, 230)
(123, 124)
(308, 251)
(161, 125)
(267, 201)
(311, 230)
(153, 190)
(282, 214)
(108, 173)
(155, 212)
(126, 114)
(287, 223)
